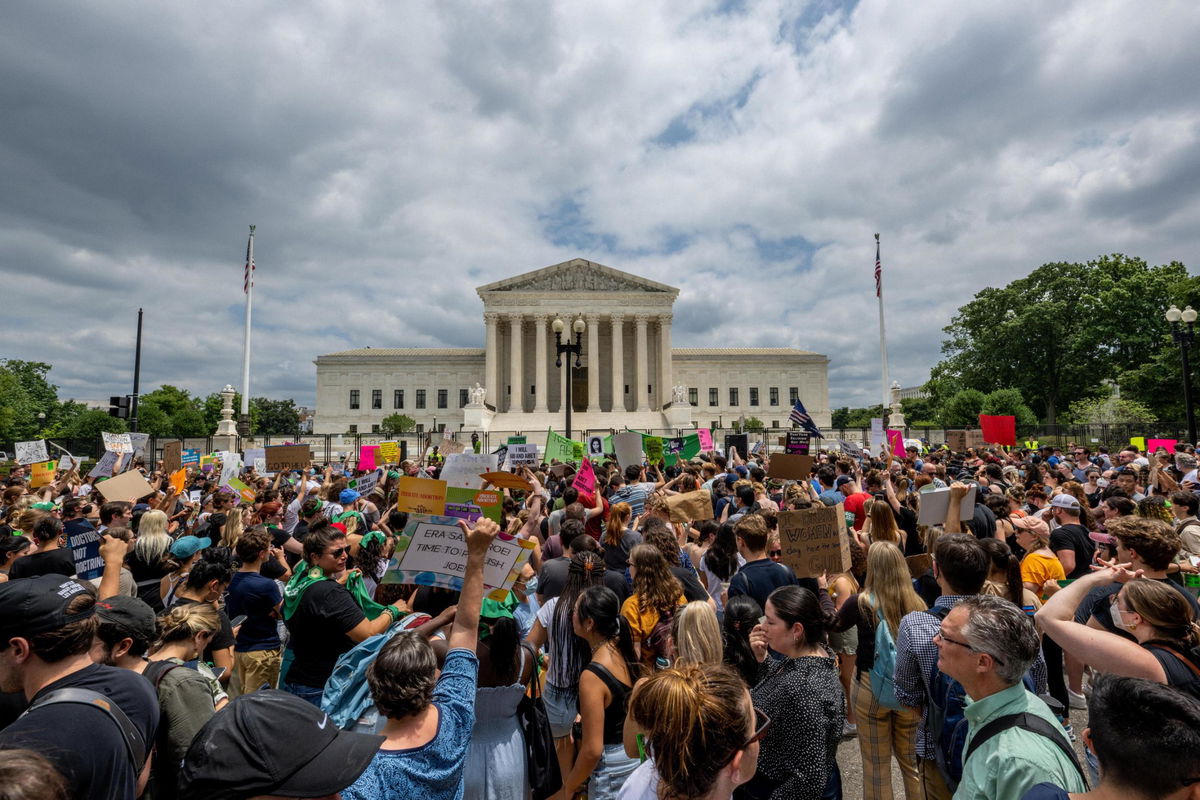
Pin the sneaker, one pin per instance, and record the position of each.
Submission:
(1078, 701)
(849, 730)
(1069, 731)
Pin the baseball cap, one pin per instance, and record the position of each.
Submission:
(188, 546)
(130, 614)
(348, 496)
(1034, 525)
(243, 751)
(29, 606)
(842, 480)
(1064, 501)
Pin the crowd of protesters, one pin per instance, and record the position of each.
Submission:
(238, 648)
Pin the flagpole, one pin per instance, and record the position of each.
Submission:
(245, 410)
(887, 400)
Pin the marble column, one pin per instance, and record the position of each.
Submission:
(516, 401)
(666, 383)
(593, 361)
(643, 363)
(492, 361)
(618, 362)
(541, 390)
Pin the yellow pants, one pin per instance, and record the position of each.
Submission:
(256, 669)
(884, 733)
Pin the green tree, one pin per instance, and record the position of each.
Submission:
(1056, 333)
(24, 393)
(845, 417)
(749, 424)
(919, 412)
(962, 409)
(274, 416)
(1109, 410)
(91, 423)
(397, 423)
(170, 411)
(1008, 402)
(211, 410)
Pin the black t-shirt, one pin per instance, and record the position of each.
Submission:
(617, 556)
(223, 638)
(85, 744)
(148, 578)
(692, 589)
(326, 613)
(50, 562)
(553, 579)
(983, 522)
(906, 520)
(1074, 537)
(1098, 604)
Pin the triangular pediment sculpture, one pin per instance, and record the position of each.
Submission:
(577, 275)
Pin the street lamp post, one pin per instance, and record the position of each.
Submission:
(568, 348)
(1184, 336)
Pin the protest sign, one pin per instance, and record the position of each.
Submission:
(797, 443)
(850, 448)
(432, 552)
(654, 449)
(421, 495)
(956, 441)
(895, 441)
(85, 552)
(490, 502)
(231, 466)
(919, 565)
(628, 447)
(240, 488)
(452, 446)
(516, 440)
(737, 440)
(999, 429)
(365, 483)
(507, 480)
(104, 467)
(877, 438)
(287, 457)
(706, 440)
(256, 457)
(177, 480)
(41, 474)
(463, 469)
(468, 512)
(194, 496)
(389, 453)
(31, 452)
(595, 447)
(522, 455)
(66, 463)
(690, 506)
(126, 486)
(788, 467)
(138, 442)
(561, 471)
(172, 456)
(117, 442)
(560, 448)
(585, 480)
(1139, 442)
(1152, 445)
(975, 439)
(936, 502)
(366, 456)
(814, 540)
(206, 463)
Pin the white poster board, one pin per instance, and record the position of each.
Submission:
(462, 470)
(31, 452)
(628, 447)
(936, 502)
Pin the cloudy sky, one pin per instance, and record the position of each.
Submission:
(396, 155)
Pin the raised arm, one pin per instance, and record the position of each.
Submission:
(465, 632)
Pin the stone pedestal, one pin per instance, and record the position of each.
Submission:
(226, 436)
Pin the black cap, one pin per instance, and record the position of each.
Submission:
(272, 742)
(130, 614)
(29, 606)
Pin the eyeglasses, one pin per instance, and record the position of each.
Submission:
(941, 635)
(762, 724)
(338, 552)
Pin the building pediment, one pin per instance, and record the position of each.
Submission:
(577, 275)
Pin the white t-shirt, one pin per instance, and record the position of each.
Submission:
(642, 783)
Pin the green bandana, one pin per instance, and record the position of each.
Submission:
(300, 582)
(372, 537)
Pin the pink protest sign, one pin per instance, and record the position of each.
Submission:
(366, 456)
(706, 442)
(585, 479)
(1152, 445)
(896, 442)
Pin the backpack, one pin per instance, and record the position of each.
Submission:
(135, 747)
(946, 720)
(1181, 670)
(1033, 724)
(659, 643)
(161, 775)
(347, 698)
(883, 670)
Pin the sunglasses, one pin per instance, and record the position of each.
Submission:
(762, 724)
(338, 552)
(945, 638)
(776, 554)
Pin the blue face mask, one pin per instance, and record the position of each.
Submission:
(531, 585)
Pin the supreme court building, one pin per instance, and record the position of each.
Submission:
(630, 374)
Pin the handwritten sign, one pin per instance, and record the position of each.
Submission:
(877, 438)
(421, 495)
(690, 506)
(104, 467)
(284, 457)
(585, 480)
(32, 452)
(814, 540)
(41, 474)
(956, 441)
(117, 442)
(522, 455)
(389, 453)
(463, 469)
(366, 456)
(85, 551)
(432, 552)
(365, 483)
(67, 463)
(172, 456)
(706, 440)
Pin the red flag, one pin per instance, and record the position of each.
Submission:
(999, 429)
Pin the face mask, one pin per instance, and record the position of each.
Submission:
(531, 585)
(1120, 620)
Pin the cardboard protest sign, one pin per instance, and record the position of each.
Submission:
(628, 447)
(522, 455)
(41, 474)
(117, 442)
(797, 443)
(585, 480)
(507, 480)
(814, 540)
(654, 449)
(85, 552)
(172, 456)
(240, 488)
(366, 456)
(895, 441)
(956, 441)
(561, 471)
(974, 439)
(104, 467)
(126, 486)
(389, 453)
(284, 457)
(490, 502)
(936, 502)
(432, 552)
(706, 440)
(451, 446)
(788, 467)
(919, 565)
(1152, 445)
(463, 469)
(365, 483)
(999, 429)
(31, 452)
(595, 447)
(421, 495)
(690, 506)
(177, 480)
(739, 440)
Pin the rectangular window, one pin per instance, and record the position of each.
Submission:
(753, 395)
(774, 423)
(420, 429)
(443, 398)
(354, 429)
(693, 397)
(420, 398)
(733, 398)
(774, 395)
(462, 398)
(397, 398)
(713, 425)
(627, 388)
(713, 398)
(374, 429)
(793, 395)
(377, 398)
(353, 398)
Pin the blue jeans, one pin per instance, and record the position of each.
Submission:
(309, 694)
(833, 787)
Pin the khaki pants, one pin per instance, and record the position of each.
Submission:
(883, 733)
(933, 785)
(254, 669)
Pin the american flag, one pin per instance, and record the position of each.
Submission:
(878, 271)
(249, 279)
(800, 417)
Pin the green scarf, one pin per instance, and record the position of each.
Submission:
(302, 580)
